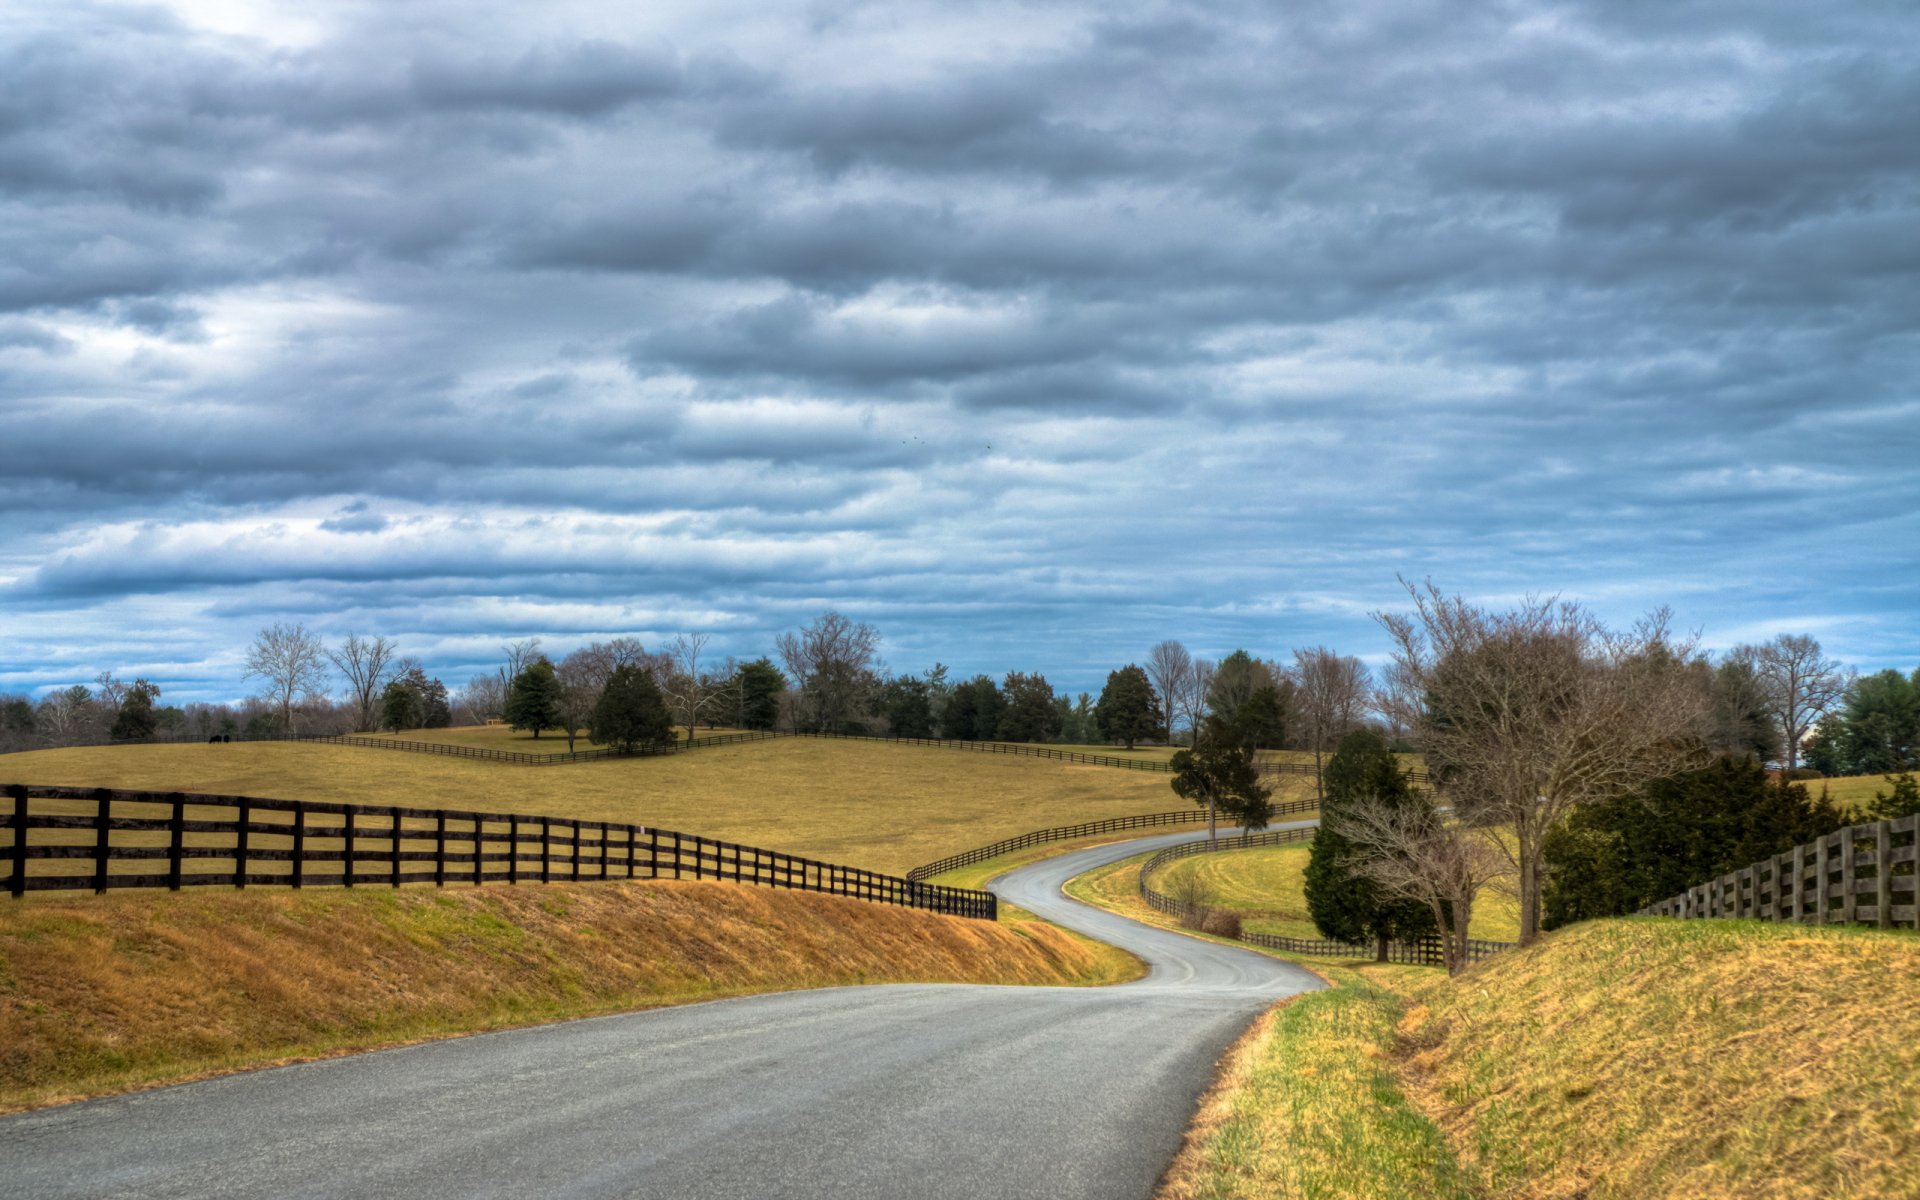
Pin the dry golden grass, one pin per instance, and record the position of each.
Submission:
(102, 994)
(1850, 791)
(1661, 1060)
(1267, 888)
(883, 807)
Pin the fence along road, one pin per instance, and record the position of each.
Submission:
(910, 1092)
(96, 839)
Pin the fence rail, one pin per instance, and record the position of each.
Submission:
(1424, 951)
(64, 838)
(1068, 833)
(1860, 875)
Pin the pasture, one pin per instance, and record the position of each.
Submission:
(867, 804)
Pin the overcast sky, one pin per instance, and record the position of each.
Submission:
(1032, 334)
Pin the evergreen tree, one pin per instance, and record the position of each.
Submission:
(1613, 857)
(907, 705)
(136, 721)
(973, 710)
(1904, 802)
(1218, 774)
(1129, 708)
(533, 698)
(401, 706)
(1881, 724)
(759, 685)
(1029, 715)
(1345, 905)
(632, 714)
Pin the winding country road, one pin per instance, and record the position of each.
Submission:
(891, 1092)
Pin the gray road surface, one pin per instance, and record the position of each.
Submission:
(891, 1092)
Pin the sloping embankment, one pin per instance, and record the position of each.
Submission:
(1652, 1059)
(101, 994)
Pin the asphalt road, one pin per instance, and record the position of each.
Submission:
(892, 1092)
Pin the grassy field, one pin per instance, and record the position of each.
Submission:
(1850, 792)
(1266, 887)
(102, 994)
(868, 804)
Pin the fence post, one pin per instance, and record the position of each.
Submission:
(513, 850)
(241, 841)
(440, 851)
(394, 869)
(299, 840)
(603, 850)
(576, 850)
(1820, 872)
(1882, 877)
(176, 840)
(546, 850)
(346, 851)
(102, 821)
(1848, 861)
(18, 884)
(630, 848)
(1799, 882)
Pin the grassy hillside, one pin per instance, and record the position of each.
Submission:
(1653, 1059)
(884, 807)
(1266, 887)
(102, 994)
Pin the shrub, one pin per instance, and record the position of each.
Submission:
(1221, 922)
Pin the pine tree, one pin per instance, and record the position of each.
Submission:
(1129, 708)
(533, 699)
(632, 714)
(1345, 905)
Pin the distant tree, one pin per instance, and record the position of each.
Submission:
(1330, 702)
(1800, 684)
(16, 717)
(1621, 853)
(1346, 902)
(906, 704)
(833, 662)
(1415, 852)
(1170, 667)
(1218, 774)
(974, 710)
(136, 720)
(1029, 715)
(519, 656)
(1128, 709)
(579, 683)
(1741, 724)
(291, 661)
(484, 698)
(367, 664)
(939, 689)
(67, 715)
(632, 714)
(1879, 728)
(533, 699)
(1077, 725)
(693, 692)
(1235, 680)
(758, 687)
(401, 706)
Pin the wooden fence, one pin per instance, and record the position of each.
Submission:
(1424, 951)
(1068, 833)
(1863, 874)
(98, 838)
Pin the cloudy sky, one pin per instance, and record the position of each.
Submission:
(1031, 333)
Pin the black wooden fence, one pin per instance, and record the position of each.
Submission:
(1863, 874)
(1068, 833)
(63, 838)
(1425, 951)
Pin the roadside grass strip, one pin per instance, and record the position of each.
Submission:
(103, 994)
(1651, 1059)
(1307, 1107)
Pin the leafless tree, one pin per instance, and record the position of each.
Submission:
(1526, 714)
(484, 697)
(1412, 851)
(1193, 697)
(291, 661)
(520, 656)
(367, 664)
(68, 715)
(108, 691)
(1330, 701)
(1799, 685)
(832, 661)
(581, 681)
(1170, 667)
(692, 694)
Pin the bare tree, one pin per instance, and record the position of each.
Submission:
(520, 656)
(68, 715)
(1330, 699)
(291, 661)
(1798, 683)
(581, 681)
(833, 662)
(1193, 696)
(367, 664)
(1170, 668)
(485, 696)
(1411, 851)
(691, 693)
(1527, 714)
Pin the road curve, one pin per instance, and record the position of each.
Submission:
(893, 1092)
